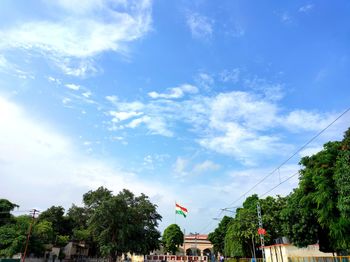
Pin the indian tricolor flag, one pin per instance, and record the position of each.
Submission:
(180, 210)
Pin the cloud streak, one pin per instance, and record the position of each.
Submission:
(201, 27)
(237, 124)
(80, 31)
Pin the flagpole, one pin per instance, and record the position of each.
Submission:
(175, 213)
(184, 242)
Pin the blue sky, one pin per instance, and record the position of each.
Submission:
(188, 101)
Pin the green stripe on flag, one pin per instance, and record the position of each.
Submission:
(180, 213)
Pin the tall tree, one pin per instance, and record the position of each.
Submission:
(94, 198)
(172, 238)
(242, 231)
(217, 238)
(125, 223)
(60, 223)
(323, 199)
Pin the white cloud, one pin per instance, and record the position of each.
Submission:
(204, 80)
(306, 8)
(285, 18)
(250, 110)
(31, 150)
(205, 166)
(200, 26)
(9, 68)
(86, 94)
(271, 91)
(75, 67)
(66, 100)
(155, 125)
(73, 86)
(101, 27)
(301, 120)
(54, 80)
(175, 92)
(183, 167)
(248, 126)
(121, 116)
(112, 99)
(79, 31)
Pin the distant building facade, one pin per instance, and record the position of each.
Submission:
(196, 245)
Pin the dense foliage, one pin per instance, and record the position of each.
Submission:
(172, 238)
(317, 211)
(109, 224)
(217, 238)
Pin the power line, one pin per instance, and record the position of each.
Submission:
(280, 183)
(289, 158)
(14, 211)
(279, 166)
(290, 177)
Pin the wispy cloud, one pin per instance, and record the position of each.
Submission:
(301, 120)
(285, 17)
(237, 123)
(205, 166)
(200, 25)
(306, 8)
(183, 167)
(72, 86)
(81, 31)
(204, 80)
(54, 80)
(12, 69)
(36, 148)
(175, 92)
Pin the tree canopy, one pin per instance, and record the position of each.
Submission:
(110, 224)
(125, 223)
(217, 238)
(317, 211)
(172, 238)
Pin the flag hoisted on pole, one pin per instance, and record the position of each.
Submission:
(180, 210)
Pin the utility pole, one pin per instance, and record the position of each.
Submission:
(33, 213)
(260, 234)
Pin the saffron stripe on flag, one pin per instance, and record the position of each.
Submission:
(182, 208)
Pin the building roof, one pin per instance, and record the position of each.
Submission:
(198, 237)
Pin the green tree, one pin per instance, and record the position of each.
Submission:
(321, 201)
(61, 224)
(124, 223)
(271, 217)
(13, 238)
(93, 199)
(78, 216)
(217, 238)
(44, 231)
(172, 238)
(242, 237)
(5, 211)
